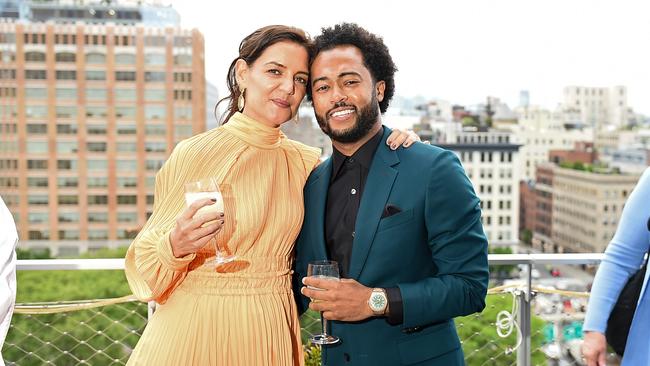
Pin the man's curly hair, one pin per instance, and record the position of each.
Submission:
(375, 54)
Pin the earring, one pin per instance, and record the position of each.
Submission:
(297, 116)
(240, 101)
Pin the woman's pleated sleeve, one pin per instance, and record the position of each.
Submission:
(151, 269)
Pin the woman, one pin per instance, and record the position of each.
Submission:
(244, 312)
(623, 258)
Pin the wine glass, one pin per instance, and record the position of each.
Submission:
(327, 270)
(208, 188)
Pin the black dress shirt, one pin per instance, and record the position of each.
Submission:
(347, 182)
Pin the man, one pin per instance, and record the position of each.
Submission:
(404, 225)
(8, 241)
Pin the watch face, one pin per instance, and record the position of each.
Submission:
(378, 301)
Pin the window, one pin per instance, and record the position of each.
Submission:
(97, 199)
(157, 95)
(125, 112)
(37, 147)
(126, 234)
(158, 130)
(127, 129)
(66, 75)
(35, 93)
(123, 199)
(65, 57)
(37, 199)
(33, 75)
(155, 111)
(96, 112)
(124, 59)
(36, 182)
(183, 60)
(66, 129)
(154, 41)
(95, 58)
(184, 131)
(154, 76)
(11, 181)
(182, 77)
(34, 56)
(68, 235)
(36, 111)
(38, 217)
(97, 217)
(181, 94)
(68, 199)
(127, 147)
(65, 111)
(125, 75)
(39, 235)
(150, 199)
(97, 234)
(127, 182)
(127, 165)
(96, 94)
(154, 165)
(151, 146)
(67, 182)
(68, 217)
(97, 182)
(67, 147)
(66, 93)
(66, 164)
(97, 164)
(127, 217)
(95, 75)
(154, 59)
(125, 94)
(96, 129)
(96, 146)
(34, 164)
(183, 113)
(37, 128)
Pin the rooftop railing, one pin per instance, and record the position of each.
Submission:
(514, 329)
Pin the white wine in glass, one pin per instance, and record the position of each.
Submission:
(328, 270)
(202, 189)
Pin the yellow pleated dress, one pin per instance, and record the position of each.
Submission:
(242, 313)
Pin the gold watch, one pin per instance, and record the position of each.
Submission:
(378, 301)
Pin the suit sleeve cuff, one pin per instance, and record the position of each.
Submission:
(166, 255)
(395, 308)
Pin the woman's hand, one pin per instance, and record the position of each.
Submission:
(189, 235)
(401, 137)
(594, 348)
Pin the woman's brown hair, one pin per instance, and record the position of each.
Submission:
(250, 50)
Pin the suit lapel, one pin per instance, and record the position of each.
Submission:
(317, 191)
(375, 196)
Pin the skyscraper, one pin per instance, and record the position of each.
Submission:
(93, 98)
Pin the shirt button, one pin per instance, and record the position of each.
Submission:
(353, 233)
(351, 161)
(353, 191)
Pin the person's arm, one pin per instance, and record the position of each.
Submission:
(152, 270)
(623, 257)
(8, 241)
(458, 248)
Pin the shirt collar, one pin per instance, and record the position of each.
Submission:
(363, 155)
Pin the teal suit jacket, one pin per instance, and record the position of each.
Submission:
(434, 250)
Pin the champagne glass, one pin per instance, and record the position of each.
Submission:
(208, 188)
(327, 270)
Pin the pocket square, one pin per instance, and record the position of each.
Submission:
(390, 210)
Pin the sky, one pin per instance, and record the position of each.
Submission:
(462, 50)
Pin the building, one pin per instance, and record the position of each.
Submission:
(490, 159)
(307, 131)
(586, 208)
(631, 160)
(89, 112)
(211, 99)
(583, 152)
(542, 205)
(540, 131)
(599, 107)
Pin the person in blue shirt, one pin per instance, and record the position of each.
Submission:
(623, 257)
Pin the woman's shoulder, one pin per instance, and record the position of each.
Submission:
(310, 155)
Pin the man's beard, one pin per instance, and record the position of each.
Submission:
(366, 119)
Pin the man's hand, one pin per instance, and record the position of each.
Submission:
(345, 300)
(594, 348)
